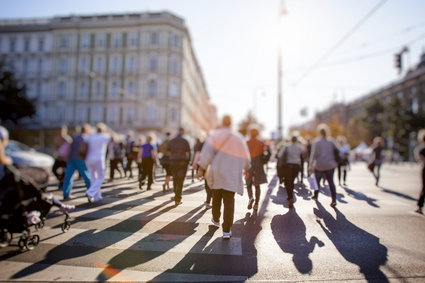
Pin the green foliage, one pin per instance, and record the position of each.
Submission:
(14, 105)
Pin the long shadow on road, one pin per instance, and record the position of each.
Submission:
(354, 244)
(289, 232)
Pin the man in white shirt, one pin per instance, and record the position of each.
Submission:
(226, 152)
(95, 160)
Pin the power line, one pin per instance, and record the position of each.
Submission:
(341, 41)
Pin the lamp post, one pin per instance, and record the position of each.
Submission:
(282, 12)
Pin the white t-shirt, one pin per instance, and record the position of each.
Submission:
(98, 143)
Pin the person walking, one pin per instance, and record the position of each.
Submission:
(179, 149)
(420, 156)
(256, 174)
(227, 155)
(294, 154)
(344, 164)
(376, 158)
(130, 153)
(96, 154)
(76, 161)
(165, 161)
(148, 155)
(63, 148)
(115, 157)
(323, 161)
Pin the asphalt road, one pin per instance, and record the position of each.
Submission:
(373, 235)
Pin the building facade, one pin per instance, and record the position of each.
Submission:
(132, 71)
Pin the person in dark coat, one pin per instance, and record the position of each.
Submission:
(179, 150)
(256, 175)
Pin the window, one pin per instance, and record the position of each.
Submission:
(152, 88)
(115, 64)
(131, 64)
(174, 66)
(133, 40)
(130, 114)
(82, 113)
(97, 113)
(12, 45)
(25, 66)
(101, 40)
(99, 65)
(85, 41)
(62, 90)
(415, 106)
(39, 65)
(40, 44)
(117, 40)
(84, 64)
(38, 89)
(154, 38)
(151, 114)
(61, 113)
(176, 41)
(83, 89)
(173, 114)
(114, 89)
(153, 63)
(174, 90)
(130, 88)
(27, 43)
(63, 65)
(98, 89)
(112, 114)
(64, 41)
(400, 95)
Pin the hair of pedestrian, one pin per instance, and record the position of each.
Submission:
(101, 127)
(85, 128)
(378, 141)
(254, 132)
(294, 139)
(227, 121)
(323, 129)
(342, 139)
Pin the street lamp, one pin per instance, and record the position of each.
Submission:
(282, 12)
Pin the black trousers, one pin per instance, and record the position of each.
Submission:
(329, 176)
(291, 173)
(422, 195)
(114, 167)
(129, 163)
(257, 192)
(58, 170)
(342, 169)
(228, 199)
(147, 170)
(179, 174)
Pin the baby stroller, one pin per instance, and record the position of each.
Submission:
(23, 204)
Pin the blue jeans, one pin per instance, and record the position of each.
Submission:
(72, 165)
(329, 176)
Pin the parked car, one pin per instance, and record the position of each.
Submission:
(25, 156)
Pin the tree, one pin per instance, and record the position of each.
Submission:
(373, 118)
(14, 104)
(249, 121)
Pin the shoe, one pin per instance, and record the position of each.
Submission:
(333, 204)
(227, 235)
(419, 210)
(65, 198)
(148, 189)
(178, 202)
(255, 206)
(172, 198)
(163, 187)
(250, 203)
(207, 205)
(345, 184)
(89, 198)
(215, 223)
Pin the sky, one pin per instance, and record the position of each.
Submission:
(236, 44)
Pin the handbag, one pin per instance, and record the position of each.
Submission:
(313, 182)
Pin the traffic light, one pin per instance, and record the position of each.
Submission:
(398, 62)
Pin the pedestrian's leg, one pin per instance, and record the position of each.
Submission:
(257, 194)
(216, 204)
(68, 181)
(339, 174)
(318, 174)
(345, 175)
(208, 191)
(228, 210)
(329, 175)
(111, 169)
(91, 191)
(150, 172)
(83, 171)
(249, 189)
(55, 169)
(422, 194)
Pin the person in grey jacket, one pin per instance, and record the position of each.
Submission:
(323, 161)
(226, 153)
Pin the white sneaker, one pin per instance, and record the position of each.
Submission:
(226, 235)
(214, 223)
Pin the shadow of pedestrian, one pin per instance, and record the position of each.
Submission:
(134, 256)
(388, 191)
(360, 196)
(289, 232)
(354, 244)
(303, 191)
(327, 192)
(80, 245)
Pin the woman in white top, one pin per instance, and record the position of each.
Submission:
(95, 160)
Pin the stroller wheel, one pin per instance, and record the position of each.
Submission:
(5, 239)
(22, 244)
(32, 242)
(65, 226)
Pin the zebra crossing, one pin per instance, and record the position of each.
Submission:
(130, 235)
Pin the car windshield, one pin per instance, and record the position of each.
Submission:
(15, 146)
